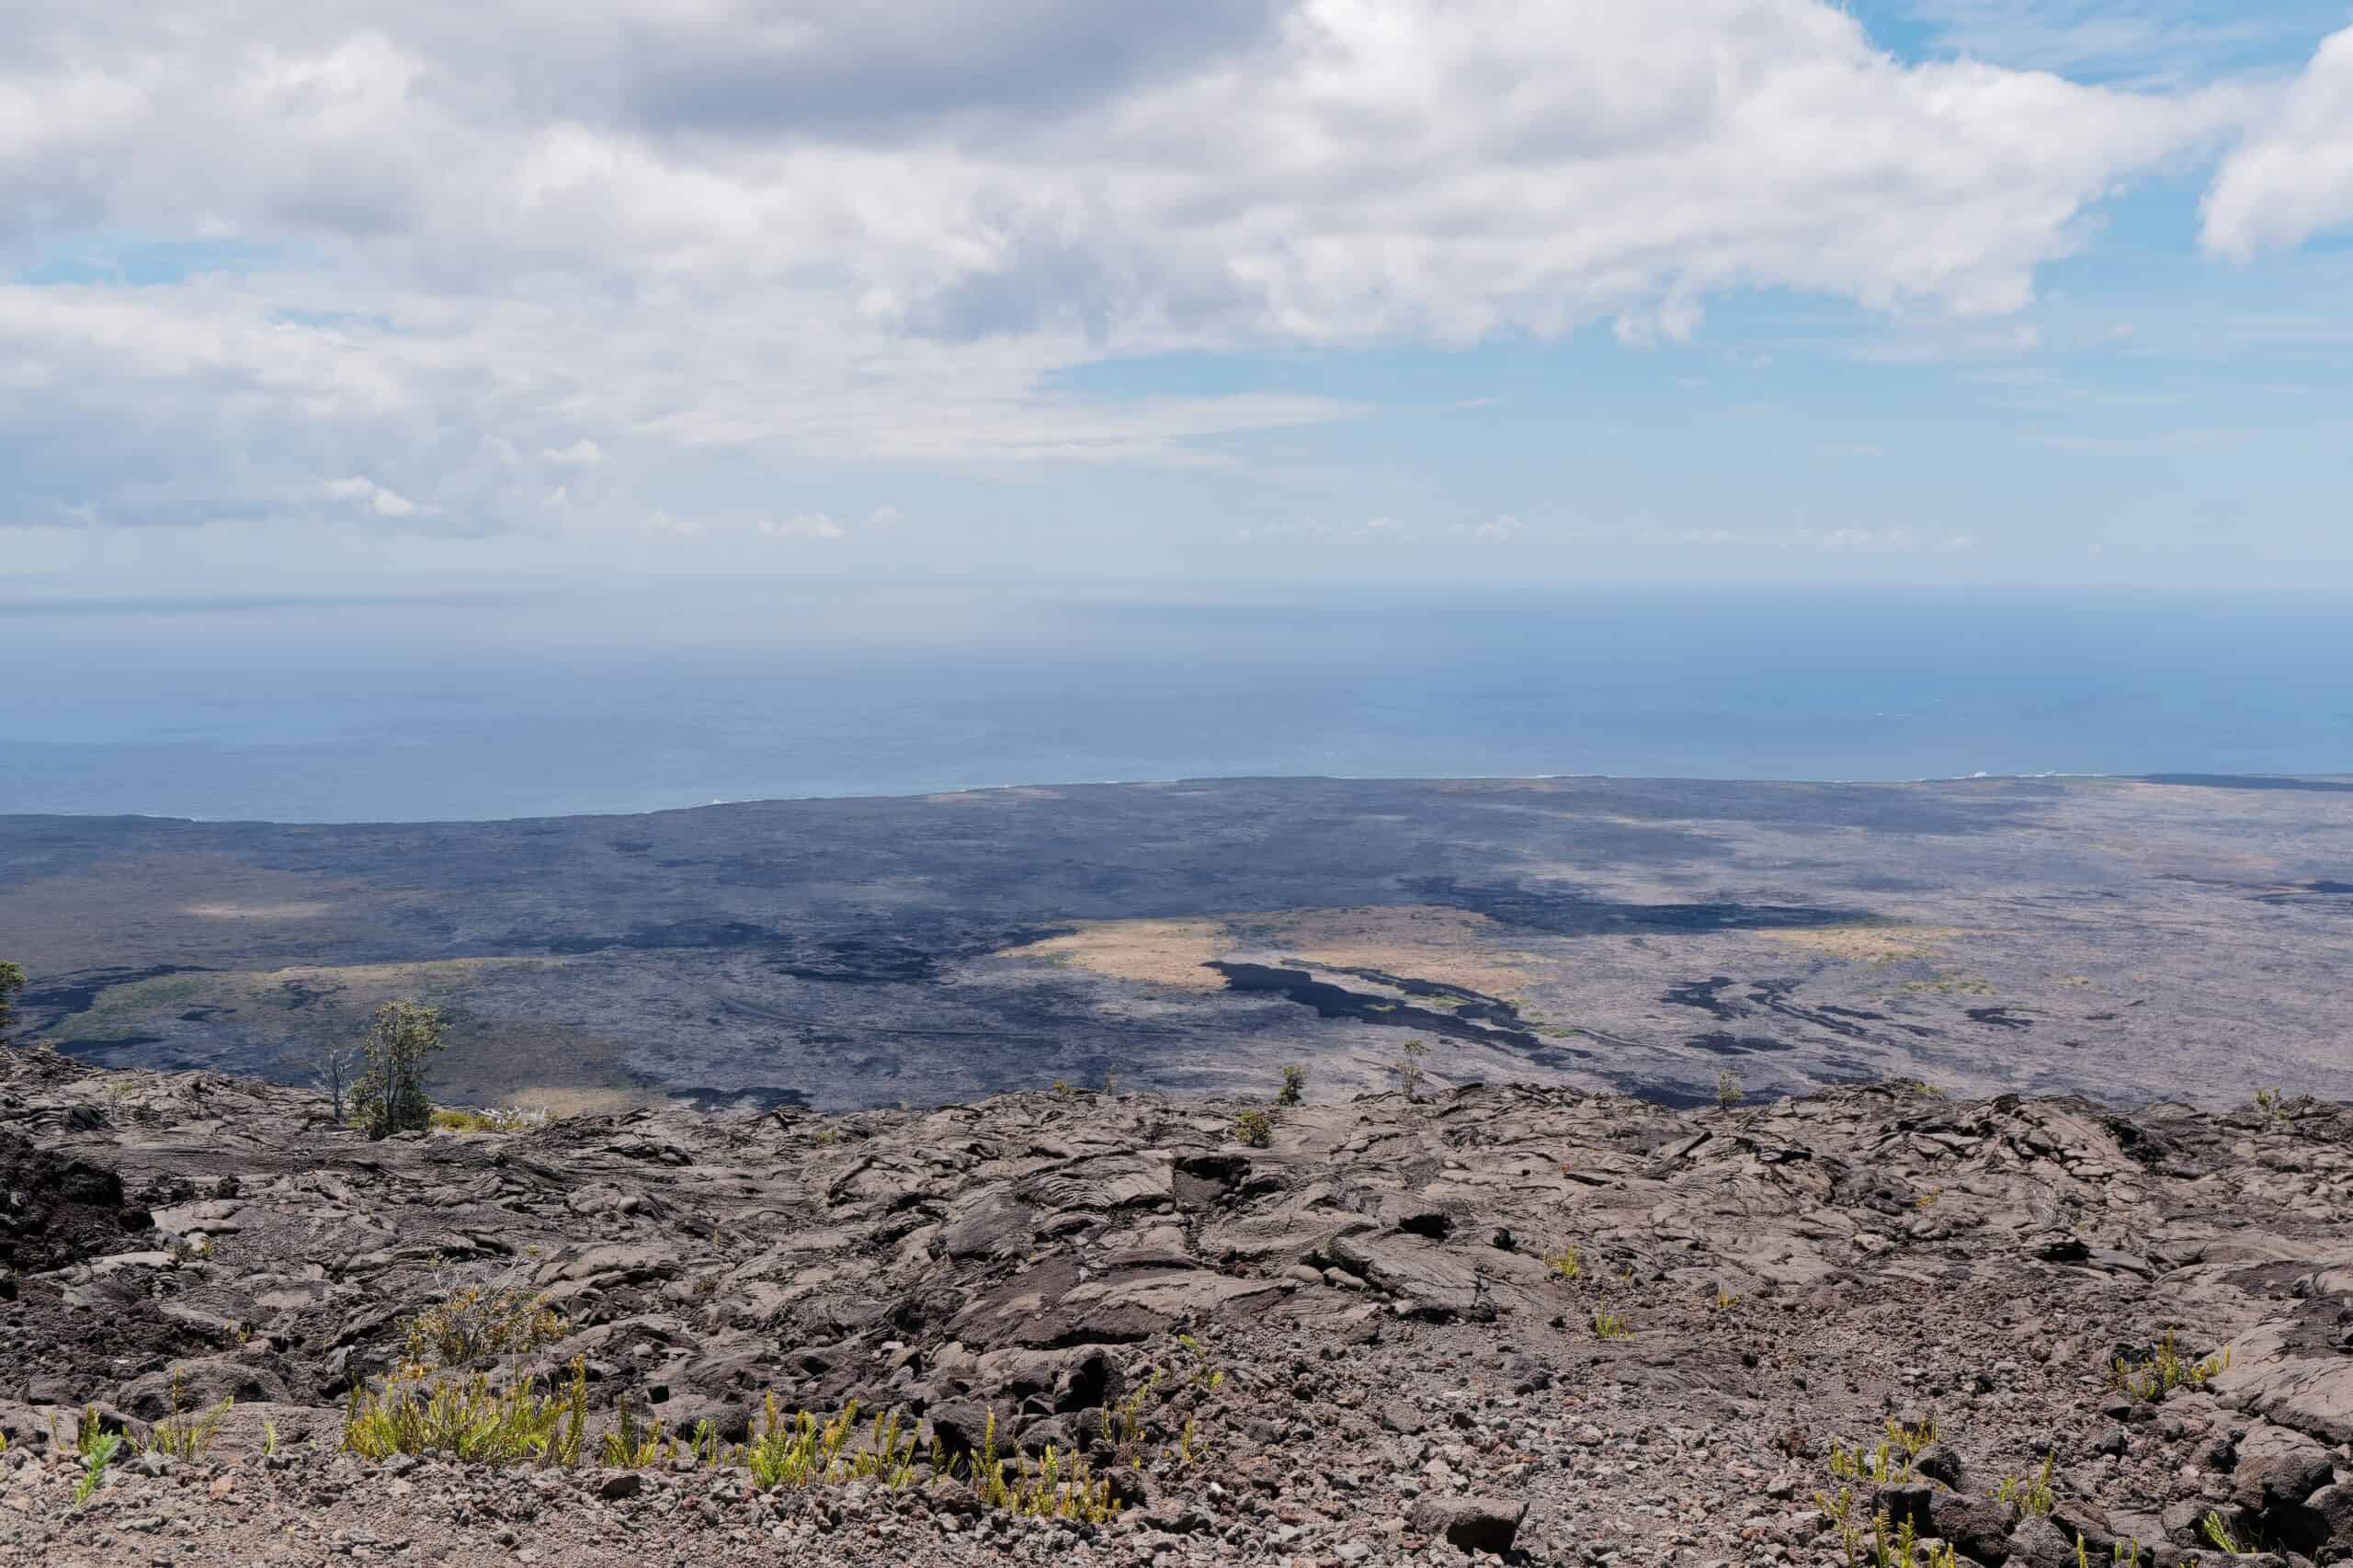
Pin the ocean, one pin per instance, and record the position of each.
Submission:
(423, 704)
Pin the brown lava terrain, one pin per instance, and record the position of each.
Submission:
(1360, 1344)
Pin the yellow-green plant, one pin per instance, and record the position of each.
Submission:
(803, 1451)
(184, 1434)
(1725, 1299)
(629, 1446)
(1294, 1089)
(1608, 1324)
(1049, 1491)
(2167, 1370)
(2219, 1533)
(1122, 1425)
(476, 1320)
(1568, 1262)
(2031, 1496)
(1891, 1461)
(98, 1450)
(1190, 1447)
(1929, 1197)
(269, 1438)
(1888, 1546)
(1255, 1128)
(467, 1419)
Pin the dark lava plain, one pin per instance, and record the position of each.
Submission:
(2127, 939)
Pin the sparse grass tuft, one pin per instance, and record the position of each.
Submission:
(185, 1434)
(467, 1419)
(2219, 1534)
(2167, 1370)
(1568, 1262)
(1608, 1324)
(1891, 1461)
(2031, 1496)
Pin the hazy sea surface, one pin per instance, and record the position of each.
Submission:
(501, 702)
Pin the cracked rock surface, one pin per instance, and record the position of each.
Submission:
(1357, 1345)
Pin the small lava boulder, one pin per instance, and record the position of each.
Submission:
(1474, 1524)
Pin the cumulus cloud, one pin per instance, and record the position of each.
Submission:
(647, 238)
(2292, 178)
(376, 498)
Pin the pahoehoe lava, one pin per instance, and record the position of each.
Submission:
(1570, 914)
(1332, 1001)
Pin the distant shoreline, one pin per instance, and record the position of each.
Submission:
(2316, 783)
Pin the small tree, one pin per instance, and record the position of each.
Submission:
(388, 1094)
(334, 1072)
(12, 980)
(1728, 1090)
(1294, 1087)
(1409, 1070)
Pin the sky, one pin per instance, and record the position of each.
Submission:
(1729, 291)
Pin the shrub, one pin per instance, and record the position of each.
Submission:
(1255, 1128)
(12, 980)
(389, 1096)
(1728, 1090)
(476, 1320)
(1294, 1089)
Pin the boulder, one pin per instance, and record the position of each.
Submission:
(1474, 1524)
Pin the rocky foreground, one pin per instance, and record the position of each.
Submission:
(1506, 1320)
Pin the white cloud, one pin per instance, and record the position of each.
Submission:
(375, 497)
(582, 453)
(652, 239)
(802, 525)
(1493, 530)
(2292, 178)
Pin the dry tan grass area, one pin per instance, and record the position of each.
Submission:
(1152, 952)
(1424, 941)
(1871, 944)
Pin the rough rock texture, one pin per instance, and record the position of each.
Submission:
(1345, 1347)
